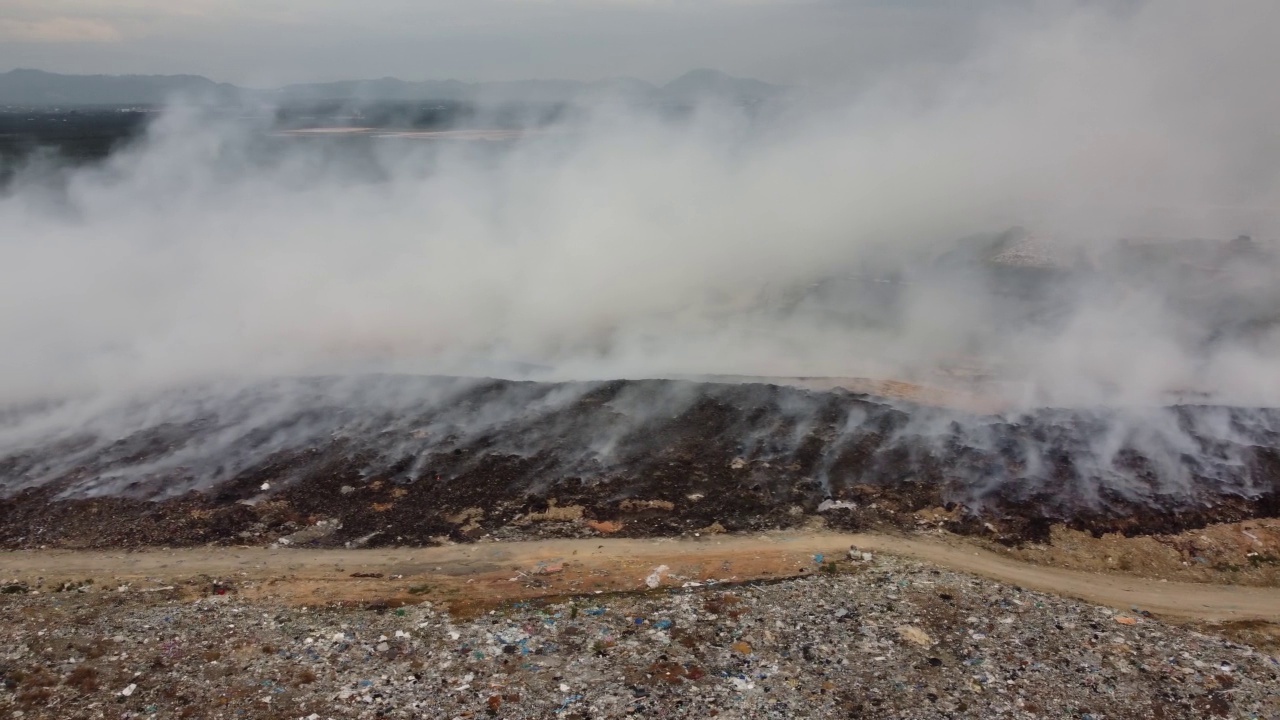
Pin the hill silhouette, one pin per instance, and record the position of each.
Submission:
(37, 88)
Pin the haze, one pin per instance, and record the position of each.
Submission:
(632, 244)
(270, 43)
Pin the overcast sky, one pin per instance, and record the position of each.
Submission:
(265, 42)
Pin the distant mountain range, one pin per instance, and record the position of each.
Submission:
(36, 88)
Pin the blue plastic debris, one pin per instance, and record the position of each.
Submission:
(596, 612)
(662, 624)
(818, 558)
(569, 701)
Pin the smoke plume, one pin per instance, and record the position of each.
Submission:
(860, 236)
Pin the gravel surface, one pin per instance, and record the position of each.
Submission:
(879, 638)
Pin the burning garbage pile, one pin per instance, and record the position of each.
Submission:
(387, 460)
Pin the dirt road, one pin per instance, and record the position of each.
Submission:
(483, 574)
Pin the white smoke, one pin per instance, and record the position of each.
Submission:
(630, 245)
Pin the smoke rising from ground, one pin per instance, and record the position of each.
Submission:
(631, 245)
(625, 243)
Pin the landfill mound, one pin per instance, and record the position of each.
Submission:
(402, 460)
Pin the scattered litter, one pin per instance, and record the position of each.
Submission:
(910, 636)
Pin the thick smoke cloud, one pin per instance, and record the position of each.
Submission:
(626, 244)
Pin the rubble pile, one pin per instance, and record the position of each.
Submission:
(862, 637)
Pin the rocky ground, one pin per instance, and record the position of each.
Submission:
(866, 638)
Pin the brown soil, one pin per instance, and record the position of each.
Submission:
(1245, 553)
(474, 577)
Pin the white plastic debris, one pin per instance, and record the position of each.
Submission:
(655, 577)
(129, 690)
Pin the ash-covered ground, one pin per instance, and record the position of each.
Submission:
(403, 460)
